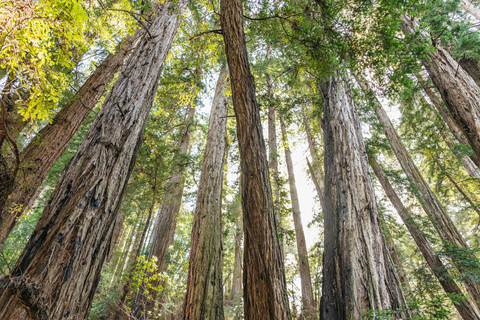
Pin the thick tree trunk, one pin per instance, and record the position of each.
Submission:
(162, 232)
(358, 274)
(204, 298)
(265, 292)
(308, 302)
(430, 203)
(237, 268)
(317, 177)
(468, 162)
(58, 272)
(273, 156)
(472, 67)
(470, 8)
(458, 90)
(45, 149)
(437, 267)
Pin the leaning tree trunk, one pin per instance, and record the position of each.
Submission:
(172, 200)
(265, 291)
(469, 163)
(204, 298)
(429, 201)
(308, 302)
(45, 149)
(470, 8)
(472, 67)
(317, 177)
(437, 267)
(458, 90)
(58, 272)
(358, 274)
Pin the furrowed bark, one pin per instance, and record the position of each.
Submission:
(204, 298)
(358, 274)
(472, 67)
(458, 90)
(58, 272)
(429, 201)
(265, 295)
(437, 267)
(45, 149)
(308, 302)
(468, 163)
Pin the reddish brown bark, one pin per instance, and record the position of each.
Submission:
(58, 272)
(45, 149)
(265, 295)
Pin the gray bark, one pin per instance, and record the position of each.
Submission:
(58, 272)
(237, 268)
(470, 8)
(204, 298)
(358, 274)
(308, 302)
(273, 156)
(317, 175)
(458, 90)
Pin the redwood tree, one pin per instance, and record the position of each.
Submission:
(358, 274)
(204, 298)
(265, 295)
(45, 149)
(58, 271)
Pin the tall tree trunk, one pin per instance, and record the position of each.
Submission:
(317, 177)
(308, 302)
(162, 232)
(459, 189)
(429, 201)
(472, 67)
(204, 298)
(125, 253)
(45, 149)
(437, 267)
(470, 8)
(58, 272)
(126, 287)
(458, 90)
(469, 166)
(265, 291)
(273, 155)
(468, 163)
(237, 268)
(358, 274)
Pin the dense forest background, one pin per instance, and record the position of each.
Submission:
(296, 159)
